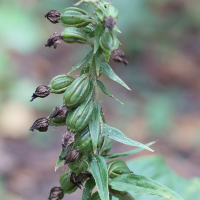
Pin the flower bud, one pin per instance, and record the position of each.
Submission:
(71, 156)
(40, 124)
(116, 168)
(53, 16)
(110, 22)
(118, 56)
(41, 91)
(75, 35)
(56, 192)
(75, 17)
(54, 40)
(68, 138)
(59, 112)
(60, 83)
(90, 30)
(78, 179)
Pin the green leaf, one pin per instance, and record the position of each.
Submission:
(85, 70)
(117, 135)
(116, 29)
(98, 61)
(62, 154)
(98, 168)
(102, 116)
(99, 12)
(107, 56)
(83, 62)
(89, 186)
(105, 67)
(142, 184)
(98, 33)
(115, 41)
(103, 88)
(116, 155)
(94, 125)
(84, 104)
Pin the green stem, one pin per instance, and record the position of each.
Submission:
(121, 195)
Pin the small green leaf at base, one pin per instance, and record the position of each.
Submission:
(89, 186)
(98, 168)
(105, 67)
(103, 88)
(117, 135)
(143, 185)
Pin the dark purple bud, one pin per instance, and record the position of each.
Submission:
(110, 22)
(118, 56)
(41, 91)
(77, 179)
(71, 156)
(53, 16)
(68, 138)
(59, 112)
(54, 40)
(56, 192)
(40, 124)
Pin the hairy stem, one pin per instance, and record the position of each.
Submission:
(121, 195)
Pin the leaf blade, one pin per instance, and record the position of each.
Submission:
(103, 88)
(82, 62)
(98, 32)
(116, 155)
(142, 184)
(94, 125)
(98, 168)
(89, 186)
(117, 135)
(105, 67)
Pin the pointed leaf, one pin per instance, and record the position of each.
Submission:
(94, 125)
(62, 154)
(83, 62)
(89, 186)
(98, 61)
(102, 116)
(85, 70)
(98, 33)
(143, 185)
(103, 88)
(116, 29)
(84, 104)
(105, 67)
(117, 135)
(98, 168)
(107, 56)
(116, 155)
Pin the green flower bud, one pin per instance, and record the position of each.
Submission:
(75, 17)
(90, 30)
(83, 140)
(76, 93)
(76, 121)
(116, 168)
(109, 42)
(66, 185)
(111, 11)
(60, 83)
(75, 35)
(81, 164)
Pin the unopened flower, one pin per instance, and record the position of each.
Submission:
(110, 22)
(53, 16)
(118, 56)
(71, 156)
(56, 192)
(40, 124)
(59, 112)
(68, 138)
(41, 91)
(77, 179)
(54, 40)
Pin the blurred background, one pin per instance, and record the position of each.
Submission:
(161, 40)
